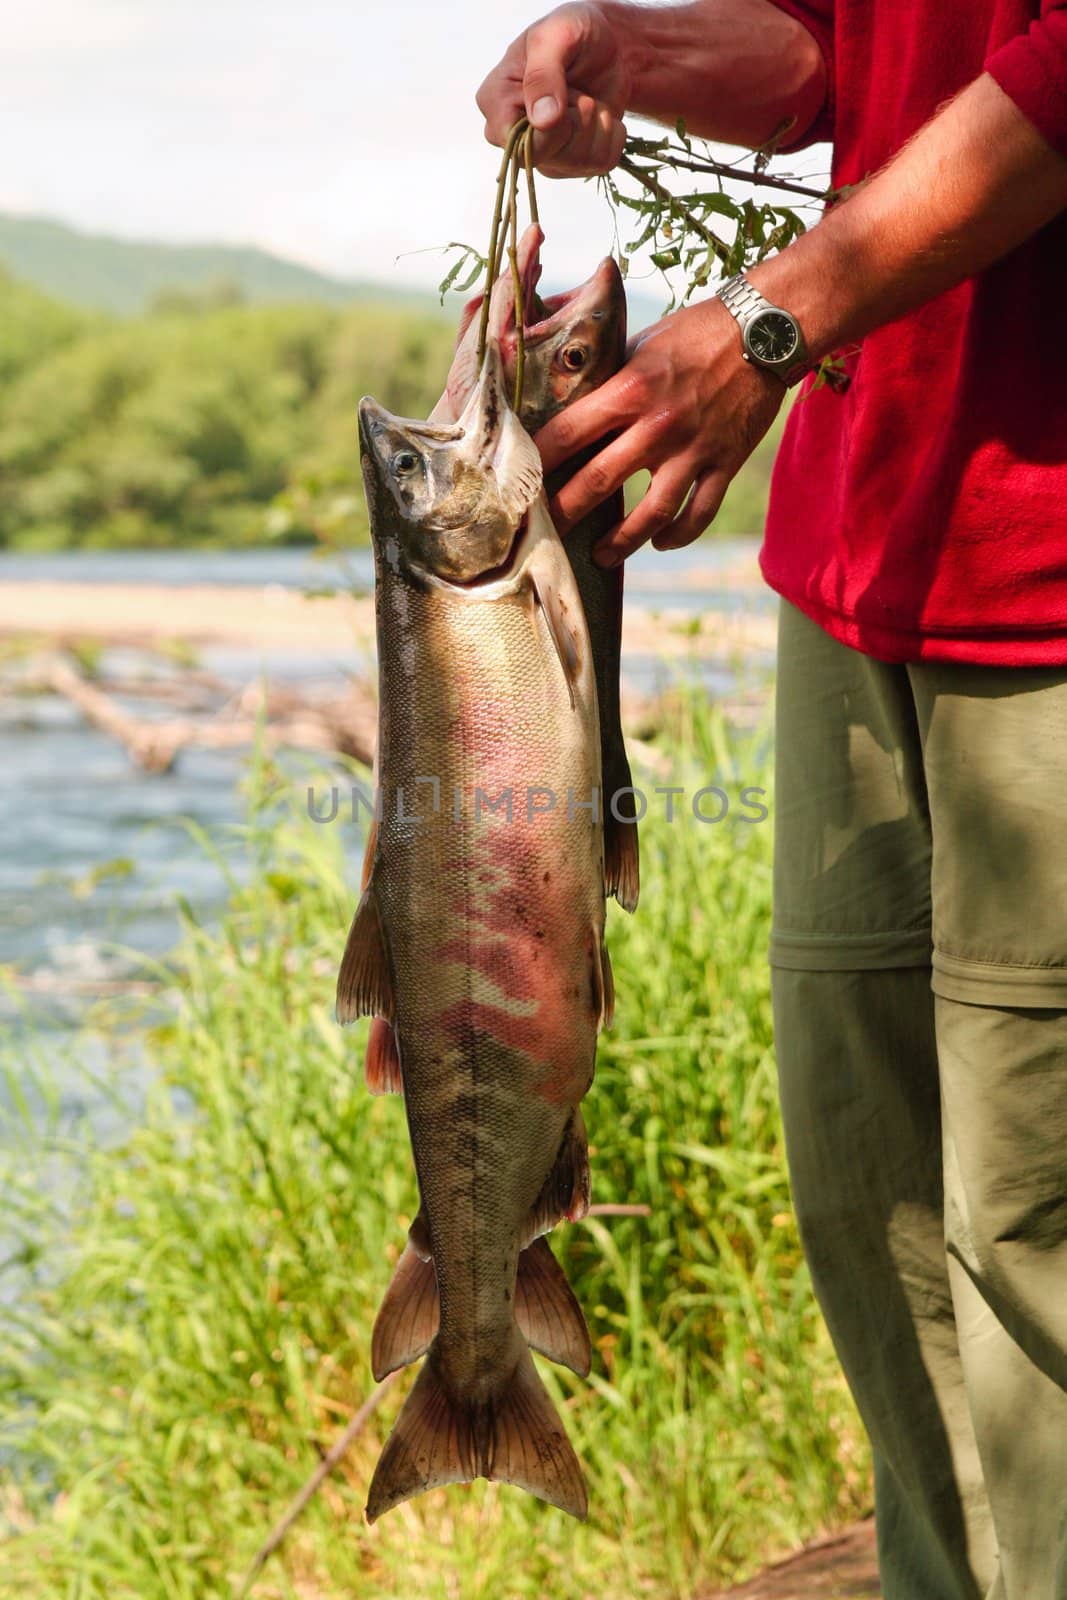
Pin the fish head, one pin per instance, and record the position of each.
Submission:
(447, 500)
(573, 341)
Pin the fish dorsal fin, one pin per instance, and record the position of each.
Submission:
(382, 1060)
(408, 1320)
(364, 983)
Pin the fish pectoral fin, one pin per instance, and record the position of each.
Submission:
(547, 1312)
(622, 871)
(513, 1435)
(382, 1061)
(364, 983)
(408, 1319)
(565, 1192)
(560, 628)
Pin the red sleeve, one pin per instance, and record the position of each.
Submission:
(1032, 69)
(818, 17)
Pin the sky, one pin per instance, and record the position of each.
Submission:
(343, 135)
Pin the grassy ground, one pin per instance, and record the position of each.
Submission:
(190, 1328)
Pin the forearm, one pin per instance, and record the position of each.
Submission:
(972, 185)
(733, 70)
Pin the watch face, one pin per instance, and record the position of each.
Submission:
(772, 336)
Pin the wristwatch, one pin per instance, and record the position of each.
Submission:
(770, 337)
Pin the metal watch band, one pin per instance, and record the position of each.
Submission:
(742, 299)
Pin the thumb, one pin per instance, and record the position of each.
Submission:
(544, 79)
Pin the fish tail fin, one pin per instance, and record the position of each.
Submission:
(513, 1435)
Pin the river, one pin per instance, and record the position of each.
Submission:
(97, 855)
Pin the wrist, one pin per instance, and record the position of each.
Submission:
(772, 339)
(809, 291)
(635, 51)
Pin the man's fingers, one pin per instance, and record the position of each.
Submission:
(655, 512)
(499, 98)
(592, 144)
(698, 512)
(611, 407)
(550, 48)
(599, 478)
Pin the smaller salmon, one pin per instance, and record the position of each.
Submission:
(573, 342)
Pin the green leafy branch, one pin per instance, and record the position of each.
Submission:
(702, 229)
(706, 231)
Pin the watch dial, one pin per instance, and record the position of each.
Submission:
(772, 336)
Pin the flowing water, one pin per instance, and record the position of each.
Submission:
(96, 855)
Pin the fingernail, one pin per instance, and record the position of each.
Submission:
(606, 558)
(544, 111)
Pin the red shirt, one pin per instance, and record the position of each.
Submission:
(923, 514)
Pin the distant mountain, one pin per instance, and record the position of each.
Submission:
(127, 275)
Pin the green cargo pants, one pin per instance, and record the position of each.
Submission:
(919, 959)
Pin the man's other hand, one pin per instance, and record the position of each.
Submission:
(567, 74)
(688, 408)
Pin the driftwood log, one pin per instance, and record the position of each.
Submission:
(281, 717)
(211, 714)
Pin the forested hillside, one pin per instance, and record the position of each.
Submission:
(212, 422)
(127, 275)
(184, 426)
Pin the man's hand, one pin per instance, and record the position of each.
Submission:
(687, 407)
(734, 70)
(566, 74)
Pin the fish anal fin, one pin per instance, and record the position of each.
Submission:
(549, 1317)
(409, 1315)
(364, 983)
(515, 1435)
(382, 1061)
(565, 1193)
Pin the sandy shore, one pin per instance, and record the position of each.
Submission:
(275, 618)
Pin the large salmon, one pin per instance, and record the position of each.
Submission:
(573, 342)
(478, 938)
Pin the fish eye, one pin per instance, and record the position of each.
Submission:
(574, 357)
(405, 462)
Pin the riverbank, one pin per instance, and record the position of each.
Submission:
(276, 617)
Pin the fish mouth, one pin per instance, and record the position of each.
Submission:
(601, 296)
(502, 572)
(594, 298)
(502, 304)
(374, 422)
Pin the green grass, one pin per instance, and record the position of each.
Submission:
(185, 1335)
